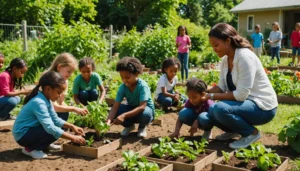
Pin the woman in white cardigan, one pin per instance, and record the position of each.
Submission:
(246, 96)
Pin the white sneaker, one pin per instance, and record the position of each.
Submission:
(36, 154)
(54, 147)
(207, 135)
(126, 131)
(244, 142)
(11, 117)
(227, 136)
(142, 132)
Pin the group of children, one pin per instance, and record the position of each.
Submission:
(274, 40)
(43, 118)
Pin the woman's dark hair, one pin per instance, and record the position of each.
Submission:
(1, 55)
(17, 63)
(130, 64)
(169, 62)
(224, 31)
(86, 61)
(197, 85)
(182, 27)
(50, 78)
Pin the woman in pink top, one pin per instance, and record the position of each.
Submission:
(11, 78)
(183, 43)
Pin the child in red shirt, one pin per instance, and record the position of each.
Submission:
(295, 43)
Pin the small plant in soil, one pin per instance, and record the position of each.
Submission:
(180, 148)
(90, 141)
(135, 163)
(265, 157)
(226, 156)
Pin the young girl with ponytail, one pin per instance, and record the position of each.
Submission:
(37, 125)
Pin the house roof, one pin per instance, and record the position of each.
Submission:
(259, 5)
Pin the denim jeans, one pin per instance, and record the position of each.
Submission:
(296, 50)
(166, 102)
(188, 116)
(63, 115)
(143, 118)
(7, 104)
(36, 138)
(184, 60)
(236, 116)
(275, 52)
(86, 96)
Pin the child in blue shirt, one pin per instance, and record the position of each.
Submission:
(37, 125)
(258, 41)
(139, 107)
(85, 85)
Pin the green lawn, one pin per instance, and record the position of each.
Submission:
(284, 111)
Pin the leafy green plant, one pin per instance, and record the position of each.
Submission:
(209, 56)
(151, 80)
(226, 156)
(90, 141)
(135, 163)
(158, 113)
(291, 132)
(264, 156)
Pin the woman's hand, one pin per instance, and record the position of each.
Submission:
(78, 139)
(206, 97)
(119, 120)
(80, 111)
(78, 130)
(26, 91)
(194, 128)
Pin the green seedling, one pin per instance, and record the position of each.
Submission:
(226, 156)
(90, 141)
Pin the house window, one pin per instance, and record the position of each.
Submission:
(250, 23)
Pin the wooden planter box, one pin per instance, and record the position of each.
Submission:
(284, 53)
(178, 166)
(288, 100)
(289, 68)
(109, 101)
(158, 122)
(159, 71)
(217, 166)
(272, 68)
(152, 72)
(146, 69)
(90, 151)
(181, 84)
(167, 167)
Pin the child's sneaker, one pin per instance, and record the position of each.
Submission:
(207, 135)
(36, 154)
(126, 131)
(142, 132)
(54, 147)
(244, 142)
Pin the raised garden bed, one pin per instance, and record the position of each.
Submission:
(100, 147)
(183, 164)
(284, 68)
(220, 165)
(116, 166)
(158, 122)
(152, 72)
(288, 99)
(146, 69)
(181, 84)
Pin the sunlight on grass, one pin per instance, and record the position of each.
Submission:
(284, 111)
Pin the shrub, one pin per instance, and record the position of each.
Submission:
(194, 58)
(129, 43)
(209, 56)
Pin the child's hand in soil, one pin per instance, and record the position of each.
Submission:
(174, 135)
(78, 140)
(119, 120)
(78, 130)
(81, 111)
(194, 128)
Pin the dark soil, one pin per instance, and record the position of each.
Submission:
(120, 168)
(182, 159)
(251, 165)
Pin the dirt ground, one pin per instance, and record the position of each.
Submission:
(12, 159)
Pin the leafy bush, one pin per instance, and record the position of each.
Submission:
(82, 39)
(209, 56)
(129, 43)
(194, 58)
(291, 132)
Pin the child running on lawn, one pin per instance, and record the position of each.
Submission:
(194, 109)
(37, 125)
(165, 93)
(139, 107)
(85, 85)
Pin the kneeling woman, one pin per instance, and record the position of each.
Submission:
(246, 95)
(37, 125)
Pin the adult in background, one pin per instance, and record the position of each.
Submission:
(246, 96)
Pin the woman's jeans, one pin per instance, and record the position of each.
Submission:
(7, 104)
(275, 52)
(166, 102)
(235, 116)
(184, 60)
(143, 118)
(86, 96)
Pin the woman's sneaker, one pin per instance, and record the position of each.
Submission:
(126, 131)
(227, 136)
(207, 135)
(142, 132)
(36, 154)
(54, 147)
(244, 142)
